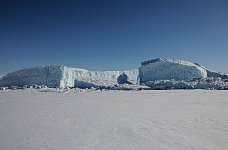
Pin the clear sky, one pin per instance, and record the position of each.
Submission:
(112, 34)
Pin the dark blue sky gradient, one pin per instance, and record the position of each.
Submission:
(112, 34)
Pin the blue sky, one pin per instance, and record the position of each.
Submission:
(112, 34)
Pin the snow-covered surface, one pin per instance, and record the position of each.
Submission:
(167, 69)
(113, 120)
(62, 76)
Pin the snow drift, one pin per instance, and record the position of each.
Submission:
(168, 69)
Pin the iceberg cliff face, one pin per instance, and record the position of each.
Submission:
(62, 76)
(151, 70)
(74, 77)
(168, 69)
(42, 75)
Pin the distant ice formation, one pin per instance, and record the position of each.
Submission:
(62, 76)
(42, 75)
(155, 73)
(168, 69)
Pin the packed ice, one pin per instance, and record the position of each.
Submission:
(206, 83)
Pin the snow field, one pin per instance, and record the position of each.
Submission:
(114, 120)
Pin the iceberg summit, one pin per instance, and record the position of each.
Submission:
(153, 73)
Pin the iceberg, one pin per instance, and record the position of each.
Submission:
(159, 73)
(42, 75)
(62, 76)
(170, 69)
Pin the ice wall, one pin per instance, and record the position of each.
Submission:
(42, 75)
(74, 77)
(151, 70)
(62, 76)
(167, 69)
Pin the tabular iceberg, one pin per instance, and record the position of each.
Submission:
(168, 69)
(42, 75)
(75, 77)
(155, 73)
(62, 76)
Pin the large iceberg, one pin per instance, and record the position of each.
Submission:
(154, 73)
(168, 69)
(62, 76)
(76, 77)
(42, 75)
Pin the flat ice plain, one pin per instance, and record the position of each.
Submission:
(114, 120)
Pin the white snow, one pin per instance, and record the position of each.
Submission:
(113, 120)
(167, 69)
